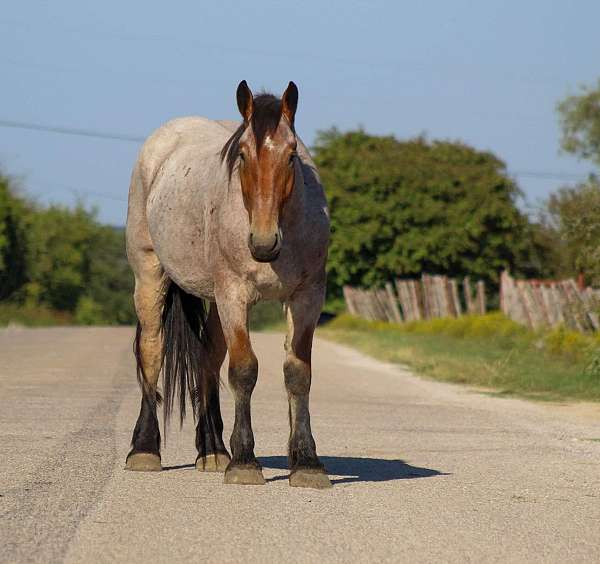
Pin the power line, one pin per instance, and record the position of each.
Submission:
(78, 192)
(543, 175)
(565, 176)
(70, 131)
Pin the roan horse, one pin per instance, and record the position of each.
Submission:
(225, 214)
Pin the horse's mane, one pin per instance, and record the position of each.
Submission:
(265, 118)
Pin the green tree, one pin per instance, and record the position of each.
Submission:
(575, 211)
(403, 208)
(109, 278)
(60, 241)
(550, 257)
(580, 123)
(14, 217)
(63, 259)
(80, 265)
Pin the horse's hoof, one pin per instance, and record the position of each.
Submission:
(213, 462)
(247, 475)
(310, 478)
(143, 462)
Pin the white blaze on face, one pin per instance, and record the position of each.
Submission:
(268, 143)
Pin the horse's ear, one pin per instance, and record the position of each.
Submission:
(244, 100)
(289, 102)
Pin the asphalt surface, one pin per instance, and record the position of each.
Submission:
(422, 471)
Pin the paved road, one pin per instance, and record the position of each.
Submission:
(422, 471)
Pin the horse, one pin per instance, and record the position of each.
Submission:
(221, 215)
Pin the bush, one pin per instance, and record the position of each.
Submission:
(266, 315)
(88, 312)
(400, 208)
(57, 258)
(559, 342)
(32, 316)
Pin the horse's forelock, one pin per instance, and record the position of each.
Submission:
(266, 116)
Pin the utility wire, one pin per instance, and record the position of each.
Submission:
(566, 176)
(70, 131)
(544, 175)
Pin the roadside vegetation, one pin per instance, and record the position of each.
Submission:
(267, 316)
(488, 351)
(398, 208)
(60, 265)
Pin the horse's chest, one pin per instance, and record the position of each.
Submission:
(271, 281)
(269, 285)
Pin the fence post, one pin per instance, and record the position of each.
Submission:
(481, 305)
(348, 299)
(453, 289)
(393, 301)
(468, 295)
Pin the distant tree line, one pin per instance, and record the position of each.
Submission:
(398, 209)
(62, 259)
(401, 208)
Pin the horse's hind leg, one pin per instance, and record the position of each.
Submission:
(303, 312)
(212, 454)
(149, 299)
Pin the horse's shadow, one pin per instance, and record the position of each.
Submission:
(354, 469)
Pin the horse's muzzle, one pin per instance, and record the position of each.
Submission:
(264, 248)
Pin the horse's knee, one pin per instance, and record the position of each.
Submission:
(243, 374)
(297, 376)
(149, 346)
(243, 365)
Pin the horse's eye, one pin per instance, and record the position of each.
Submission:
(292, 157)
(242, 157)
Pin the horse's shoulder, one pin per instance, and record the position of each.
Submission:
(176, 135)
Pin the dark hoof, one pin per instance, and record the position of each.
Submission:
(310, 478)
(143, 462)
(247, 475)
(217, 462)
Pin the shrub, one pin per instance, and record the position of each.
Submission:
(88, 312)
(560, 341)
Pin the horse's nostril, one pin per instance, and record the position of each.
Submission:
(264, 248)
(275, 243)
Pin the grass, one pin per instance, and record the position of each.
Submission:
(31, 316)
(264, 316)
(488, 351)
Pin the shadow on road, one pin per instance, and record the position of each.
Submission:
(178, 467)
(353, 469)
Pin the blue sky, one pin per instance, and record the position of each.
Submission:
(487, 73)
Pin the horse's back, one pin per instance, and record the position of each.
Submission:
(165, 146)
(174, 135)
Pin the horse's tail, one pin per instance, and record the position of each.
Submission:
(186, 344)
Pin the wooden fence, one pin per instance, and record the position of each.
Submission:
(411, 300)
(539, 304)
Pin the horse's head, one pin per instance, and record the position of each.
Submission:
(264, 148)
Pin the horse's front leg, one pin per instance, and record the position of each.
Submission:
(303, 312)
(244, 468)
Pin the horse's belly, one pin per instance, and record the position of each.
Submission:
(177, 223)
